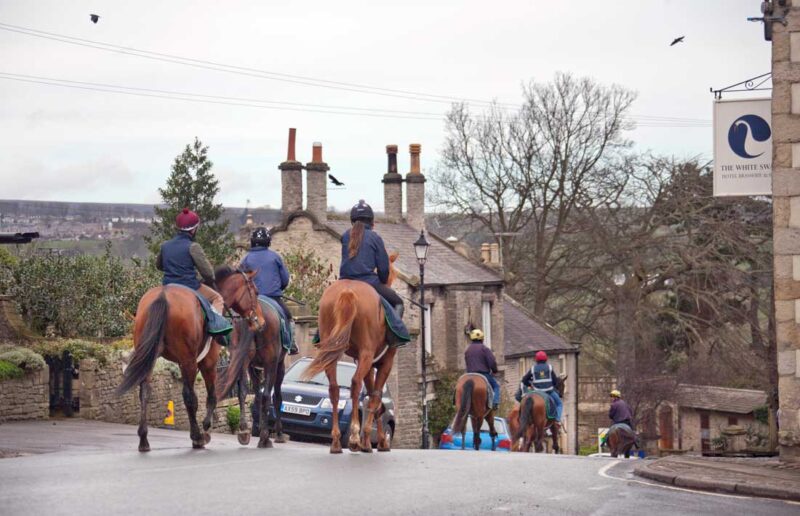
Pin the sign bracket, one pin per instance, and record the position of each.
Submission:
(752, 84)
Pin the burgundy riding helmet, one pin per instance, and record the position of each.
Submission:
(187, 220)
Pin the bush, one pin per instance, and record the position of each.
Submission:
(232, 417)
(310, 276)
(9, 371)
(79, 349)
(761, 414)
(587, 450)
(442, 410)
(88, 296)
(24, 358)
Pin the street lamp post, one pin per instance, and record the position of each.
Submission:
(421, 251)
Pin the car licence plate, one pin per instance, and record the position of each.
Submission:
(294, 409)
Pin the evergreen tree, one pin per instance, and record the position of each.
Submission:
(192, 184)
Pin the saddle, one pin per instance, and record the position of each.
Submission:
(549, 404)
(396, 332)
(286, 331)
(215, 323)
(489, 390)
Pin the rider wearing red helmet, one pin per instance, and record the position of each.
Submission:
(179, 257)
(542, 378)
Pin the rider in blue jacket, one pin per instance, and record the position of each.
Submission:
(364, 256)
(271, 276)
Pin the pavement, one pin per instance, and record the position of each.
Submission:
(768, 478)
(88, 468)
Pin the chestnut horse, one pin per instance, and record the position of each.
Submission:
(170, 323)
(528, 421)
(257, 349)
(471, 398)
(351, 321)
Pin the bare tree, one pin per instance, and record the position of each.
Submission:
(525, 171)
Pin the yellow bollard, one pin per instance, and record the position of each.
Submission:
(170, 419)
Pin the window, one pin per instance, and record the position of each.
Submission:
(428, 328)
(487, 324)
(733, 420)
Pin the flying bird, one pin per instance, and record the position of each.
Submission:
(677, 40)
(335, 181)
(94, 18)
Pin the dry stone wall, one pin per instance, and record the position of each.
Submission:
(26, 397)
(100, 402)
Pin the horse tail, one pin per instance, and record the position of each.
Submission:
(239, 354)
(460, 422)
(334, 345)
(525, 415)
(150, 345)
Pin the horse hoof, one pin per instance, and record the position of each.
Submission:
(265, 444)
(198, 445)
(282, 438)
(206, 437)
(367, 448)
(244, 438)
(354, 446)
(336, 450)
(145, 448)
(384, 449)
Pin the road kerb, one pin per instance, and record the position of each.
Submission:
(706, 484)
(660, 476)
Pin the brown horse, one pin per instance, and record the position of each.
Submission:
(621, 441)
(249, 350)
(351, 321)
(472, 397)
(528, 421)
(170, 323)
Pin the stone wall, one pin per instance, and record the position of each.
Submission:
(690, 433)
(593, 404)
(27, 397)
(99, 401)
(786, 221)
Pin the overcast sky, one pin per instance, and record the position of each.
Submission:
(69, 144)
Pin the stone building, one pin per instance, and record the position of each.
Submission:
(786, 216)
(459, 291)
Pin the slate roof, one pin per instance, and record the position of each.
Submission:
(444, 265)
(524, 335)
(722, 399)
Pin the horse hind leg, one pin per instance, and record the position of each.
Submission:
(354, 441)
(476, 432)
(266, 397)
(492, 431)
(190, 400)
(209, 372)
(333, 393)
(144, 396)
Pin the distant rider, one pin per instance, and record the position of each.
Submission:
(480, 359)
(542, 378)
(179, 257)
(363, 253)
(620, 411)
(271, 278)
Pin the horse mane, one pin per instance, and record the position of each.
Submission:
(222, 272)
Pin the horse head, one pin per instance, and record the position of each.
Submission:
(392, 270)
(240, 294)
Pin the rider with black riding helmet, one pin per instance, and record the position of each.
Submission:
(363, 253)
(271, 278)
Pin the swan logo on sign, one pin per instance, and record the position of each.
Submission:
(747, 136)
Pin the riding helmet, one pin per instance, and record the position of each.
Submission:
(615, 393)
(260, 237)
(541, 356)
(476, 334)
(363, 212)
(187, 220)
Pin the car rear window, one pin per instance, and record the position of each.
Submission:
(344, 373)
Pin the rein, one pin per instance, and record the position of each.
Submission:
(251, 317)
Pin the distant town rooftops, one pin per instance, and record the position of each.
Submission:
(524, 335)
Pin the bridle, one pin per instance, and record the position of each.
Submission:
(252, 316)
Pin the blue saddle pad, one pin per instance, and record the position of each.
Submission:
(395, 324)
(216, 324)
(286, 328)
(549, 405)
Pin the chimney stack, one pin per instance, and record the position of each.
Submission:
(494, 255)
(415, 191)
(291, 180)
(486, 254)
(392, 187)
(317, 184)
